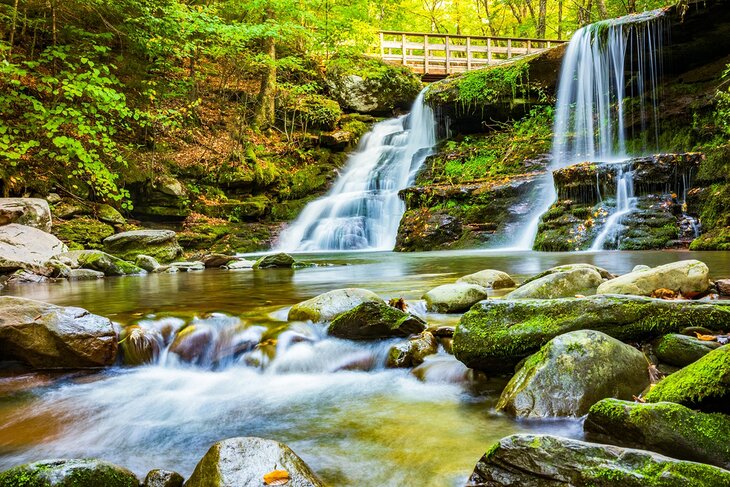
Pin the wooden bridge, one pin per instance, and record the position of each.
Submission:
(436, 55)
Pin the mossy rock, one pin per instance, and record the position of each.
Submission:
(412, 353)
(663, 427)
(704, 384)
(281, 260)
(329, 305)
(83, 232)
(565, 284)
(716, 239)
(160, 244)
(496, 334)
(571, 373)
(372, 320)
(97, 260)
(570, 267)
(681, 350)
(68, 473)
(550, 461)
(163, 478)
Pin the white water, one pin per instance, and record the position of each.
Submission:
(590, 116)
(625, 204)
(363, 210)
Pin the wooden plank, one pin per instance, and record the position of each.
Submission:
(426, 54)
(468, 53)
(455, 36)
(448, 55)
(403, 48)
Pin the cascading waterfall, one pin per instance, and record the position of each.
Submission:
(625, 204)
(363, 210)
(591, 114)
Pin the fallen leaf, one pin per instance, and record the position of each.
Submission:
(706, 338)
(663, 293)
(277, 477)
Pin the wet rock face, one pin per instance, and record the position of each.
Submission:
(412, 352)
(329, 305)
(236, 462)
(69, 473)
(373, 320)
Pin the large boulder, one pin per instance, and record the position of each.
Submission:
(160, 244)
(663, 427)
(27, 248)
(681, 350)
(32, 212)
(237, 462)
(688, 277)
(496, 334)
(68, 473)
(570, 267)
(274, 260)
(48, 336)
(412, 352)
(372, 320)
(571, 373)
(564, 284)
(454, 298)
(97, 260)
(704, 384)
(489, 278)
(327, 306)
(550, 461)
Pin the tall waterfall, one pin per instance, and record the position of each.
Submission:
(363, 210)
(592, 112)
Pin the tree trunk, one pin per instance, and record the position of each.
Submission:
(541, 19)
(602, 12)
(264, 116)
(12, 30)
(560, 19)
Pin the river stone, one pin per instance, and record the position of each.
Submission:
(27, 248)
(412, 352)
(194, 344)
(489, 278)
(140, 345)
(217, 260)
(571, 373)
(704, 384)
(163, 478)
(32, 212)
(372, 320)
(688, 277)
(68, 473)
(160, 244)
(101, 261)
(240, 264)
(663, 427)
(188, 266)
(563, 284)
(147, 262)
(49, 336)
(681, 350)
(244, 461)
(570, 267)
(275, 260)
(454, 298)
(551, 461)
(723, 287)
(496, 334)
(329, 305)
(84, 275)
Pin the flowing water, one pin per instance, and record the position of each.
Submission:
(591, 115)
(368, 427)
(625, 204)
(363, 210)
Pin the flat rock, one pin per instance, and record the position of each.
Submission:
(84, 275)
(489, 278)
(160, 244)
(27, 248)
(688, 277)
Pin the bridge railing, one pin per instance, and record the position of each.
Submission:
(443, 54)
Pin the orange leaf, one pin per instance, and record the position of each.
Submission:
(277, 477)
(706, 338)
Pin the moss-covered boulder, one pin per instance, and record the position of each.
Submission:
(329, 305)
(569, 268)
(372, 320)
(565, 284)
(47, 336)
(663, 427)
(83, 233)
(571, 373)
(68, 473)
(236, 462)
(489, 278)
(688, 277)
(496, 334)
(97, 260)
(550, 461)
(281, 260)
(412, 352)
(147, 262)
(681, 350)
(160, 244)
(704, 384)
(454, 298)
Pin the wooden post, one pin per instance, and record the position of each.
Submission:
(529, 46)
(425, 54)
(468, 53)
(403, 48)
(489, 51)
(382, 42)
(448, 56)
(509, 48)
(548, 45)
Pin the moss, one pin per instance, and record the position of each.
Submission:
(717, 239)
(86, 233)
(68, 473)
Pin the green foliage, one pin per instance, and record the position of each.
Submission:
(316, 111)
(493, 85)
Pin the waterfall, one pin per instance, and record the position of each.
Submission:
(362, 210)
(591, 115)
(625, 204)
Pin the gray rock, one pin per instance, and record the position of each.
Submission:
(32, 212)
(412, 352)
(188, 266)
(147, 262)
(571, 373)
(100, 261)
(27, 248)
(454, 298)
(244, 461)
(163, 478)
(49, 336)
(688, 277)
(373, 320)
(274, 260)
(327, 306)
(53, 198)
(240, 264)
(571, 267)
(84, 275)
(489, 278)
(566, 284)
(160, 244)
(681, 350)
(69, 473)
(550, 461)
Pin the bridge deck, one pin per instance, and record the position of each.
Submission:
(443, 54)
